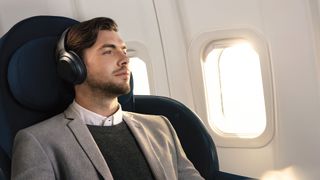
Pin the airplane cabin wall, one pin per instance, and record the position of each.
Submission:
(290, 30)
(166, 29)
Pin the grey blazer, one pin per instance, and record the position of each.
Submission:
(62, 148)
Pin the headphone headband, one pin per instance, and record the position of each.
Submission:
(61, 43)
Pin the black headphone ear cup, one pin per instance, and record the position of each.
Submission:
(71, 68)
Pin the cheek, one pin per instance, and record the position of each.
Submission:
(100, 70)
(100, 66)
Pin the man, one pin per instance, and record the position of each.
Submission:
(94, 138)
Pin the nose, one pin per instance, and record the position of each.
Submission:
(124, 59)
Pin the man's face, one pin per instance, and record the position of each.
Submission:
(107, 65)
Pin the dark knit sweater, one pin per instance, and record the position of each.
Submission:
(121, 152)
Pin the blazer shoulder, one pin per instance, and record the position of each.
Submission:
(51, 123)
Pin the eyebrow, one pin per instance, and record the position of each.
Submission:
(112, 46)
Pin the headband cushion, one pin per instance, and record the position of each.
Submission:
(32, 76)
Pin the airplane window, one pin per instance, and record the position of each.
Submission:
(140, 76)
(234, 90)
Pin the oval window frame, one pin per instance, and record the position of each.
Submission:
(196, 57)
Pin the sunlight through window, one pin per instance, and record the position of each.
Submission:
(235, 90)
(140, 76)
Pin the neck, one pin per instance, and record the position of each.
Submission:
(99, 104)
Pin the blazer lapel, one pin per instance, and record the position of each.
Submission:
(86, 141)
(139, 133)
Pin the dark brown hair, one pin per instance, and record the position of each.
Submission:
(83, 35)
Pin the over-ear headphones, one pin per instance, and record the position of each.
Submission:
(70, 66)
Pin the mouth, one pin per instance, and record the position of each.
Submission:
(124, 74)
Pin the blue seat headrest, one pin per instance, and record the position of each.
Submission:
(32, 75)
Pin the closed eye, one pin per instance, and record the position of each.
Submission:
(107, 52)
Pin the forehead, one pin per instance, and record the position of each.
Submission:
(108, 37)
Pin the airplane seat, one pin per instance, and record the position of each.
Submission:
(31, 91)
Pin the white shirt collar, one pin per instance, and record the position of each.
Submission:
(92, 118)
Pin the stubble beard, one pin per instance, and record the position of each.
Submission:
(108, 89)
